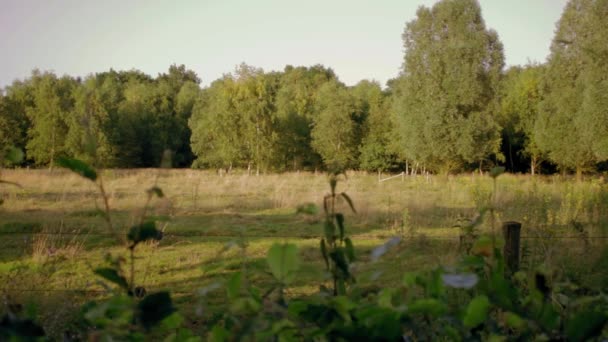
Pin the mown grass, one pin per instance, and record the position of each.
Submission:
(54, 235)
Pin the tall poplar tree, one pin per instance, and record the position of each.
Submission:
(573, 117)
(49, 114)
(451, 74)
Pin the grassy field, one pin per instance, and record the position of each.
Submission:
(52, 234)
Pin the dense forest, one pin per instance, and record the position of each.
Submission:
(453, 107)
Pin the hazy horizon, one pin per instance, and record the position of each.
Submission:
(357, 39)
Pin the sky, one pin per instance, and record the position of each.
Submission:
(358, 39)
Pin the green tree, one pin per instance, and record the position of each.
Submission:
(376, 131)
(13, 121)
(234, 121)
(49, 114)
(450, 77)
(520, 99)
(176, 90)
(254, 102)
(334, 127)
(295, 110)
(138, 135)
(87, 137)
(215, 126)
(573, 119)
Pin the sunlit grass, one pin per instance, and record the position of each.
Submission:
(207, 213)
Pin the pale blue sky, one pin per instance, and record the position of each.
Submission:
(357, 39)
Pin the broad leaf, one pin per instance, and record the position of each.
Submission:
(477, 311)
(156, 191)
(349, 201)
(586, 325)
(112, 275)
(497, 171)
(283, 261)
(340, 221)
(324, 252)
(143, 232)
(233, 287)
(350, 249)
(428, 306)
(154, 308)
(79, 167)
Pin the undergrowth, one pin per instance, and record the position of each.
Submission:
(476, 298)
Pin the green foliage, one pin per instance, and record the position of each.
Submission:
(51, 106)
(78, 167)
(143, 232)
(521, 95)
(573, 120)
(14, 328)
(113, 275)
(334, 127)
(283, 262)
(445, 98)
(476, 312)
(336, 248)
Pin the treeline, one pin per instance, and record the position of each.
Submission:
(111, 119)
(453, 107)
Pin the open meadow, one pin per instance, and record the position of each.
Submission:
(53, 232)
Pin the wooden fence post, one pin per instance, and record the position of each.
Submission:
(512, 232)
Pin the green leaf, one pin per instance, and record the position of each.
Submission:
(477, 311)
(14, 155)
(174, 321)
(482, 246)
(585, 325)
(78, 167)
(349, 201)
(338, 258)
(324, 252)
(549, 318)
(333, 181)
(409, 279)
(154, 308)
(504, 292)
(155, 191)
(497, 171)
(385, 298)
(233, 287)
(143, 232)
(307, 209)
(343, 305)
(428, 306)
(350, 249)
(218, 334)
(340, 221)
(330, 230)
(513, 321)
(113, 276)
(283, 261)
